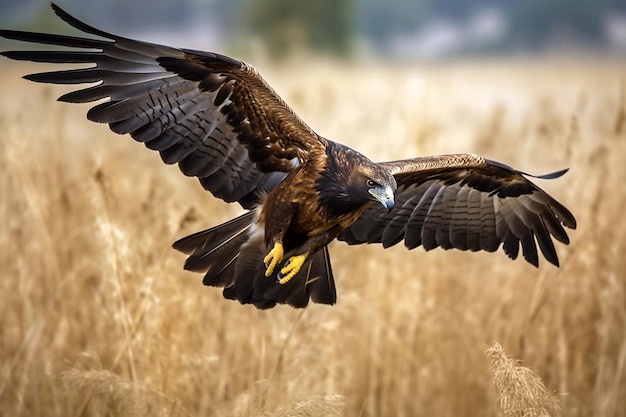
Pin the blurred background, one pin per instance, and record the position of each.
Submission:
(398, 29)
(99, 318)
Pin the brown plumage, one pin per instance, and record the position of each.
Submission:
(219, 121)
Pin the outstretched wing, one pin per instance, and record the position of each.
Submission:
(214, 116)
(466, 202)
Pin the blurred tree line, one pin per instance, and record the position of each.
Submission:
(285, 25)
(335, 26)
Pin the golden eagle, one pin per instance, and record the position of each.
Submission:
(219, 120)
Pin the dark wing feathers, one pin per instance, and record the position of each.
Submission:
(469, 203)
(213, 115)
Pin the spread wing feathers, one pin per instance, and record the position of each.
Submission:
(466, 202)
(213, 115)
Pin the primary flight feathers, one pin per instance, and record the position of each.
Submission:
(221, 122)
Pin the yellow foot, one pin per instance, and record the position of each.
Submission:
(291, 268)
(273, 258)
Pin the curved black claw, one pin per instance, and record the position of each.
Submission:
(279, 276)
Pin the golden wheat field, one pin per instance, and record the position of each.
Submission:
(99, 319)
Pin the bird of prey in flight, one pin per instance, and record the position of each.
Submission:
(221, 122)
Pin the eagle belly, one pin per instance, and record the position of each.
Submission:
(310, 202)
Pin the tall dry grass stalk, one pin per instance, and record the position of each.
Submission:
(98, 317)
(521, 393)
(118, 395)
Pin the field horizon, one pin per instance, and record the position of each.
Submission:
(99, 318)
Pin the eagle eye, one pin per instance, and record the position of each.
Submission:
(371, 183)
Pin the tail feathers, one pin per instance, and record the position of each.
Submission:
(210, 239)
(232, 257)
(251, 286)
(320, 279)
(215, 251)
(315, 280)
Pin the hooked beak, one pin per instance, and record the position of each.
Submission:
(384, 195)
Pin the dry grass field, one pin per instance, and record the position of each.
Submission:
(99, 319)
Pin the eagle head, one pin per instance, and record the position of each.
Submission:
(380, 185)
(350, 180)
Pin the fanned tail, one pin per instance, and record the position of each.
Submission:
(231, 255)
(251, 286)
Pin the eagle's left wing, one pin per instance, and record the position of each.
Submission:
(466, 202)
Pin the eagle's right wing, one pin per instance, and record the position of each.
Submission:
(213, 115)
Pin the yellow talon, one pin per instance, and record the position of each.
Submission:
(273, 258)
(291, 268)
